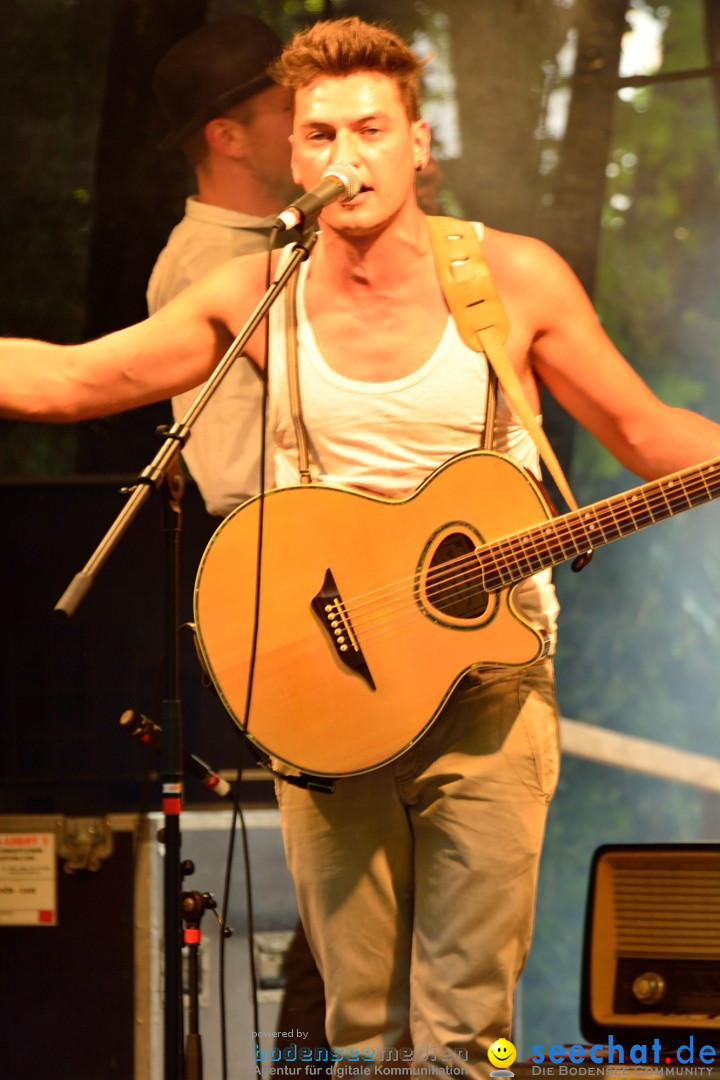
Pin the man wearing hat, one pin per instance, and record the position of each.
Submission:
(233, 123)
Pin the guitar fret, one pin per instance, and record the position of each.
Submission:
(566, 540)
(521, 558)
(646, 518)
(678, 500)
(704, 490)
(539, 558)
(563, 528)
(504, 577)
(634, 518)
(598, 525)
(538, 563)
(706, 485)
(509, 545)
(584, 542)
(659, 489)
(546, 529)
(489, 582)
(542, 533)
(713, 492)
(616, 527)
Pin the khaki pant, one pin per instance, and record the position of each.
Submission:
(416, 882)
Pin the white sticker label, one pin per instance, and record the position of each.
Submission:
(28, 885)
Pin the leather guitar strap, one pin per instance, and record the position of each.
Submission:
(483, 325)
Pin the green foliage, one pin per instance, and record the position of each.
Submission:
(640, 627)
(659, 304)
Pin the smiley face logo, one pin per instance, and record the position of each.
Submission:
(501, 1054)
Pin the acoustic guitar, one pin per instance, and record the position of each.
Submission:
(370, 610)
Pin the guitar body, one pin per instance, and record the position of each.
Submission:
(363, 633)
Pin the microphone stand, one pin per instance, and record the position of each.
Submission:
(172, 771)
(165, 466)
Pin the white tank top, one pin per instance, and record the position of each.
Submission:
(385, 438)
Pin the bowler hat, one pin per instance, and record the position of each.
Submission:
(212, 69)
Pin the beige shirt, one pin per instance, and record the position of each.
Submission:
(223, 451)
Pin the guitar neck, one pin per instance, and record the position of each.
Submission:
(514, 558)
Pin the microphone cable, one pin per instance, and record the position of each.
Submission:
(237, 814)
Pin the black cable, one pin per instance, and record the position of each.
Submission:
(236, 816)
(237, 811)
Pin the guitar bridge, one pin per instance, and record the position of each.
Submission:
(334, 619)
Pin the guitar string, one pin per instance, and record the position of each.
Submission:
(583, 526)
(603, 515)
(381, 625)
(572, 528)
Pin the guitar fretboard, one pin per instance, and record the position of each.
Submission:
(514, 558)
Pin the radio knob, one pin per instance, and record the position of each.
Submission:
(649, 988)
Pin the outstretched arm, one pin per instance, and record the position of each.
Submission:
(174, 350)
(573, 356)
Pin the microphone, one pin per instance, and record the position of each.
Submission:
(339, 181)
(149, 732)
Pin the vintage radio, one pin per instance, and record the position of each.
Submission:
(651, 964)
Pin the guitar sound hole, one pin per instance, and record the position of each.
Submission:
(456, 589)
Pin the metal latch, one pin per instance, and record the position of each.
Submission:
(84, 842)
